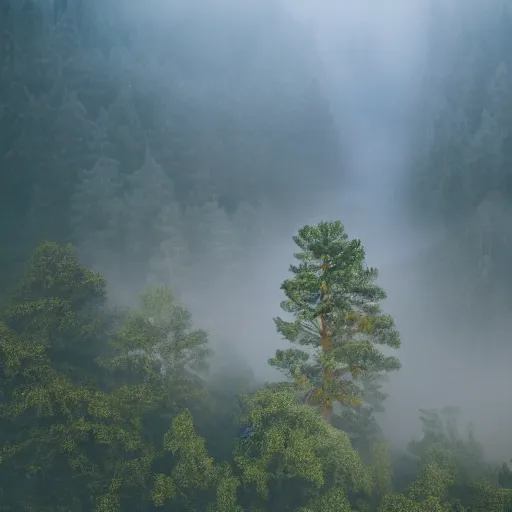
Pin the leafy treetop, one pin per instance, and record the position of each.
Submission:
(338, 321)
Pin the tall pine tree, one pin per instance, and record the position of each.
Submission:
(338, 321)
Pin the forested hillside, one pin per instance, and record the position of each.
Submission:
(140, 161)
(461, 176)
(128, 145)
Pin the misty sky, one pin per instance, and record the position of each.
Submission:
(373, 58)
(372, 64)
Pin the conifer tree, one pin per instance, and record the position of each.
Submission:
(196, 481)
(151, 190)
(97, 213)
(64, 440)
(212, 239)
(171, 262)
(337, 319)
(290, 456)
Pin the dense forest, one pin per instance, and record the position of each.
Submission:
(135, 173)
(461, 176)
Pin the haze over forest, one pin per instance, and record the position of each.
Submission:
(179, 147)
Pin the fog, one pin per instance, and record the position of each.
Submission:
(157, 161)
(375, 58)
(369, 60)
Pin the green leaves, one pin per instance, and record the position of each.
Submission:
(292, 361)
(54, 269)
(427, 494)
(163, 327)
(109, 446)
(443, 444)
(292, 444)
(334, 300)
(196, 481)
(163, 489)
(194, 468)
(54, 416)
(453, 474)
(333, 499)
(158, 345)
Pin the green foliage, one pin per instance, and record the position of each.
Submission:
(161, 330)
(195, 478)
(443, 444)
(454, 475)
(491, 498)
(70, 423)
(154, 161)
(382, 470)
(505, 475)
(294, 453)
(55, 420)
(86, 399)
(399, 503)
(335, 301)
(424, 495)
(333, 499)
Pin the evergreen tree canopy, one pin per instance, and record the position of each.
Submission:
(338, 321)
